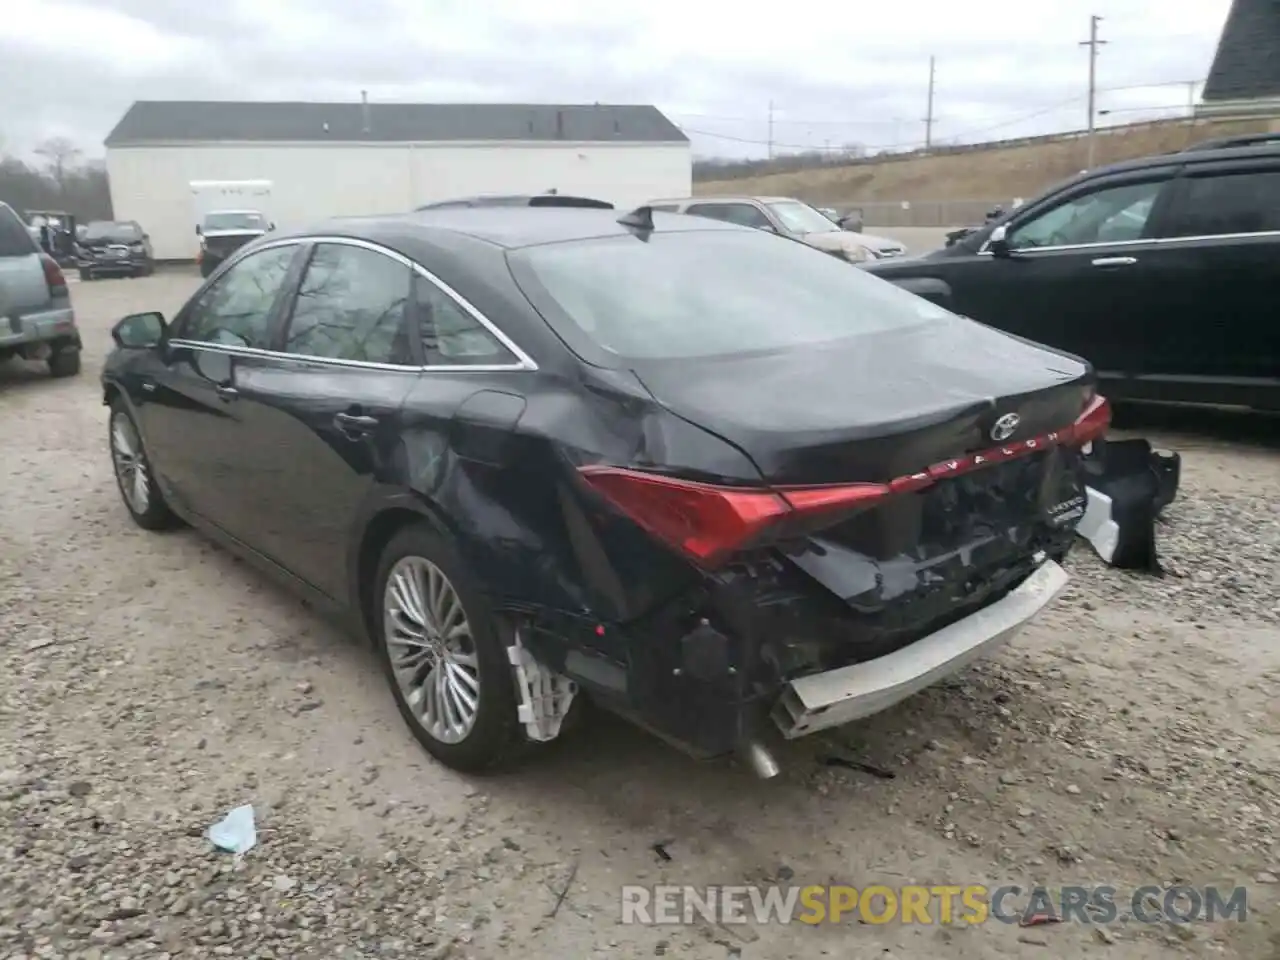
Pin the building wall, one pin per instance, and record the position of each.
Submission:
(150, 183)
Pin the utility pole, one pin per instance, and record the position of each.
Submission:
(1191, 98)
(770, 129)
(1092, 43)
(928, 118)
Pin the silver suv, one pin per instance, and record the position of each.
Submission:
(787, 217)
(36, 318)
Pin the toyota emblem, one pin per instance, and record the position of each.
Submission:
(1005, 427)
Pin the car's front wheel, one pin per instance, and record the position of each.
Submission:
(443, 652)
(134, 476)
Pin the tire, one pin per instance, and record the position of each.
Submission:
(64, 363)
(493, 736)
(154, 513)
(86, 274)
(207, 268)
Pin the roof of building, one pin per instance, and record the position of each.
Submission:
(1247, 64)
(150, 121)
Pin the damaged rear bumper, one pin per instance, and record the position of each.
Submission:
(824, 700)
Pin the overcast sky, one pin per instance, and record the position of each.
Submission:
(835, 71)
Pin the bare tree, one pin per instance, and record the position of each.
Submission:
(59, 155)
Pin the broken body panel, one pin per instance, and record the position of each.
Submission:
(897, 519)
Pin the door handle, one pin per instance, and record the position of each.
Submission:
(354, 424)
(226, 392)
(1115, 261)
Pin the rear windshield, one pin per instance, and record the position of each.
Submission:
(15, 238)
(107, 230)
(235, 221)
(708, 293)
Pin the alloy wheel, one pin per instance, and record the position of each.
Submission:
(130, 464)
(431, 650)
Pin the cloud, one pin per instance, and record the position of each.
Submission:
(834, 73)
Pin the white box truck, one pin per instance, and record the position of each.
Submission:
(228, 214)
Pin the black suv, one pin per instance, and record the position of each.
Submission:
(1162, 272)
(119, 247)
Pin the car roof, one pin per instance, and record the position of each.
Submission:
(506, 227)
(725, 197)
(1211, 150)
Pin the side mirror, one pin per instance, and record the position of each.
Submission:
(998, 242)
(139, 331)
(271, 226)
(198, 231)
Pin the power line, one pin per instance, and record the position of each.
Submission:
(889, 146)
(846, 122)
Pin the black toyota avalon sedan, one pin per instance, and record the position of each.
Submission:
(702, 476)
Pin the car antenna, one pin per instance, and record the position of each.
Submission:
(641, 218)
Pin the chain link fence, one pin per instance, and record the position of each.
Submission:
(929, 213)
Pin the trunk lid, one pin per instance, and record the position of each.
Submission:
(885, 408)
(876, 407)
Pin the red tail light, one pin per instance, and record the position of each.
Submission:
(709, 523)
(706, 522)
(53, 276)
(1092, 423)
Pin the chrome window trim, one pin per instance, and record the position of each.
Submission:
(1159, 241)
(523, 361)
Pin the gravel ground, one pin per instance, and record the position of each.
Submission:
(150, 683)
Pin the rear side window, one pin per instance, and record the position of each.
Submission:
(1230, 203)
(351, 305)
(15, 240)
(706, 293)
(452, 337)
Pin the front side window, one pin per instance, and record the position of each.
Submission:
(451, 336)
(799, 217)
(1109, 215)
(743, 214)
(708, 293)
(1230, 203)
(236, 309)
(351, 306)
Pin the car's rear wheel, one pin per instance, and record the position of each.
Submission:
(137, 482)
(86, 274)
(64, 363)
(444, 653)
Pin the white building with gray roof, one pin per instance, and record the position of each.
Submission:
(349, 159)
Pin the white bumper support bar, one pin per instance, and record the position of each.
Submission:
(825, 700)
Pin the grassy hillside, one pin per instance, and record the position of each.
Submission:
(994, 172)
